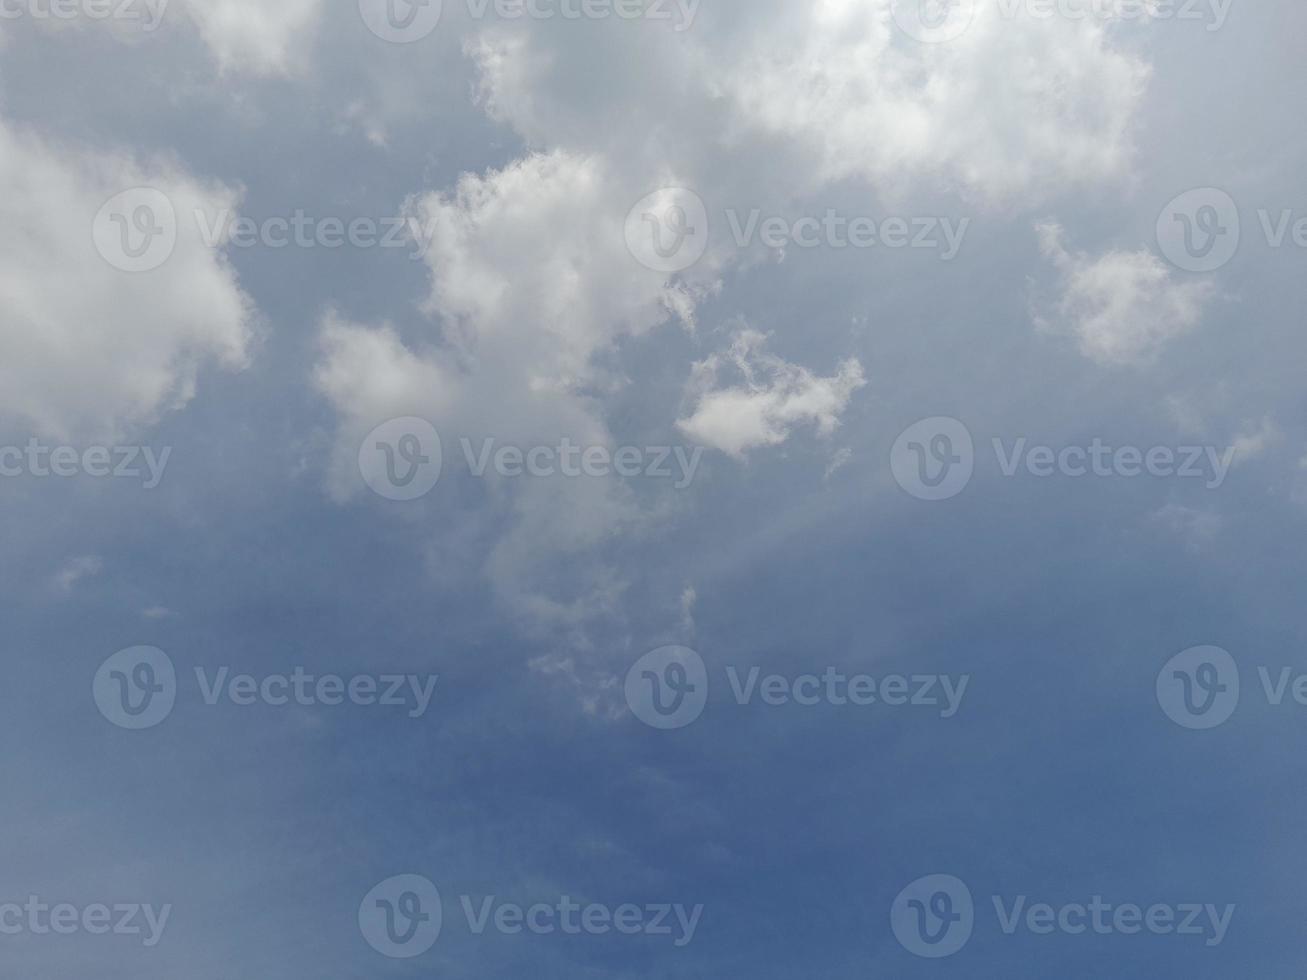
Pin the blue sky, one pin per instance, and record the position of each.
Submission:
(822, 391)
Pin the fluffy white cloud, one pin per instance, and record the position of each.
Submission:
(1013, 109)
(771, 397)
(86, 349)
(1122, 307)
(255, 35)
(530, 282)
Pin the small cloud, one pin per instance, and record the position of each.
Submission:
(688, 599)
(769, 399)
(158, 612)
(77, 569)
(837, 462)
(1122, 307)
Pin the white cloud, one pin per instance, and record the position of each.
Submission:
(257, 36)
(1013, 110)
(1122, 307)
(530, 282)
(770, 399)
(87, 350)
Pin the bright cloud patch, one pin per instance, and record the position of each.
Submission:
(531, 280)
(770, 398)
(87, 349)
(255, 35)
(1122, 307)
(1013, 105)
